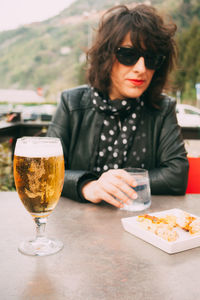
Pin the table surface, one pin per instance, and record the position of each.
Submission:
(99, 259)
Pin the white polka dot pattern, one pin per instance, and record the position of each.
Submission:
(118, 134)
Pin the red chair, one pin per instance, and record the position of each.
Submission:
(193, 186)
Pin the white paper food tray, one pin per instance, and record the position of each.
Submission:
(185, 240)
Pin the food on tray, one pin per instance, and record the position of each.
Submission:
(166, 232)
(194, 227)
(165, 226)
(184, 220)
(148, 222)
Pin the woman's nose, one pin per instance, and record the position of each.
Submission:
(140, 65)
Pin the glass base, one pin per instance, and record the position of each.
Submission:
(40, 247)
(136, 206)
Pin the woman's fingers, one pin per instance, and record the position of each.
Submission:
(126, 188)
(119, 184)
(120, 174)
(96, 192)
(110, 199)
(120, 190)
(113, 186)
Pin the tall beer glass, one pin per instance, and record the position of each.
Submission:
(39, 176)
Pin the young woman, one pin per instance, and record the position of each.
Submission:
(122, 118)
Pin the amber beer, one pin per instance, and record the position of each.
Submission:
(39, 175)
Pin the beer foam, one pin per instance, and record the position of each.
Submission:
(38, 147)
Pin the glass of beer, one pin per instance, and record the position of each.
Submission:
(39, 176)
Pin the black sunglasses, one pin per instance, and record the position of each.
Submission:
(129, 57)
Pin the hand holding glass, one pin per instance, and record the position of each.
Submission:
(143, 200)
(39, 177)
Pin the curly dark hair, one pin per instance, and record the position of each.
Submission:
(147, 29)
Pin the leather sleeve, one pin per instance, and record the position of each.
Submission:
(171, 173)
(60, 127)
(73, 182)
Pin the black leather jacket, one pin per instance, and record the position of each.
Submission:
(78, 127)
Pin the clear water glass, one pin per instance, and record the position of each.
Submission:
(143, 200)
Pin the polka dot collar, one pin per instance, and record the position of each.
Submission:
(113, 107)
(117, 134)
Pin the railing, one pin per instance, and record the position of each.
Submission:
(16, 130)
(191, 133)
(19, 129)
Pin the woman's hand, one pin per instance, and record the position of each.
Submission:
(113, 186)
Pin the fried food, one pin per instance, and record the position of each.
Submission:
(184, 220)
(194, 227)
(165, 227)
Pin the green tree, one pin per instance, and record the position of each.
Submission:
(188, 73)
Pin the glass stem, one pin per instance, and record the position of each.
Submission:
(40, 227)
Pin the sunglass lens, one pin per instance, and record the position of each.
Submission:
(154, 62)
(126, 56)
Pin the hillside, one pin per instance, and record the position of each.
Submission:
(50, 54)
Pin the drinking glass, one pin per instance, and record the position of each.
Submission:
(143, 200)
(39, 175)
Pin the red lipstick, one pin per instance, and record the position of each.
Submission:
(136, 81)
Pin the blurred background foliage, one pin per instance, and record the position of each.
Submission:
(51, 54)
(6, 173)
(188, 72)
